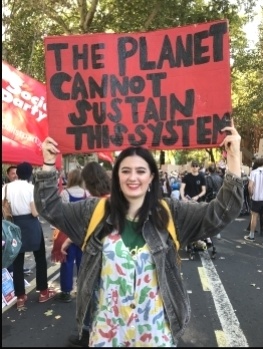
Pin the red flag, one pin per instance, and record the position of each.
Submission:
(106, 156)
(23, 108)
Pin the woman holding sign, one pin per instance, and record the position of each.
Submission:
(130, 263)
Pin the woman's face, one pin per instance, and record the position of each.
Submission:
(135, 177)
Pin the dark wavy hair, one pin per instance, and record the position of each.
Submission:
(151, 207)
(96, 179)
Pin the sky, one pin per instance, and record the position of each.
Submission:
(251, 28)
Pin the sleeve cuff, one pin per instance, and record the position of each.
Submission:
(233, 177)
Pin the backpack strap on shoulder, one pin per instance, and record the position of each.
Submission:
(96, 218)
(98, 214)
(171, 227)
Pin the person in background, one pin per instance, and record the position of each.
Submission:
(96, 179)
(246, 204)
(175, 183)
(73, 192)
(213, 183)
(98, 183)
(130, 273)
(11, 174)
(109, 173)
(10, 177)
(221, 165)
(255, 188)
(221, 172)
(165, 185)
(25, 215)
(254, 167)
(193, 186)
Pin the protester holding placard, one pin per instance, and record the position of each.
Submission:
(130, 263)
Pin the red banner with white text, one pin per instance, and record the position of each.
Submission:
(24, 114)
(24, 110)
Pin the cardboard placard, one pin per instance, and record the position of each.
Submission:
(8, 292)
(165, 89)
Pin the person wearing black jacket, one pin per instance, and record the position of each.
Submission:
(213, 183)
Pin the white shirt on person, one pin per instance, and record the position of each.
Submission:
(20, 194)
(256, 176)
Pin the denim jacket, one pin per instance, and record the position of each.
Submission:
(193, 221)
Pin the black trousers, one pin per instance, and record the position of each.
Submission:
(41, 270)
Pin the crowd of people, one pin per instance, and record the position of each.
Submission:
(197, 184)
(202, 184)
(129, 274)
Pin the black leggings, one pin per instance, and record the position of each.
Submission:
(41, 270)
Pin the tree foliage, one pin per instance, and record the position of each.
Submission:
(27, 22)
(247, 92)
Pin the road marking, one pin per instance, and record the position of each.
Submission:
(221, 339)
(32, 286)
(203, 278)
(50, 271)
(234, 336)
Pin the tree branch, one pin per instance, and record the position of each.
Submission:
(152, 16)
(60, 21)
(82, 4)
(90, 15)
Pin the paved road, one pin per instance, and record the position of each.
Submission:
(225, 293)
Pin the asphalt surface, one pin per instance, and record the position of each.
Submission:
(225, 294)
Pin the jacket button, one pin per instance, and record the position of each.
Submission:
(133, 306)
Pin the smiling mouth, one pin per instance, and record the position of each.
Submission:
(133, 186)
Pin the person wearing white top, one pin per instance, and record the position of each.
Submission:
(11, 176)
(255, 188)
(20, 194)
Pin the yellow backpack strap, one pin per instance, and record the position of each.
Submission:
(171, 226)
(96, 218)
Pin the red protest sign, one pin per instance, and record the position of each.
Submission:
(23, 109)
(166, 89)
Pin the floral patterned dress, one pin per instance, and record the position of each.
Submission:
(129, 308)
